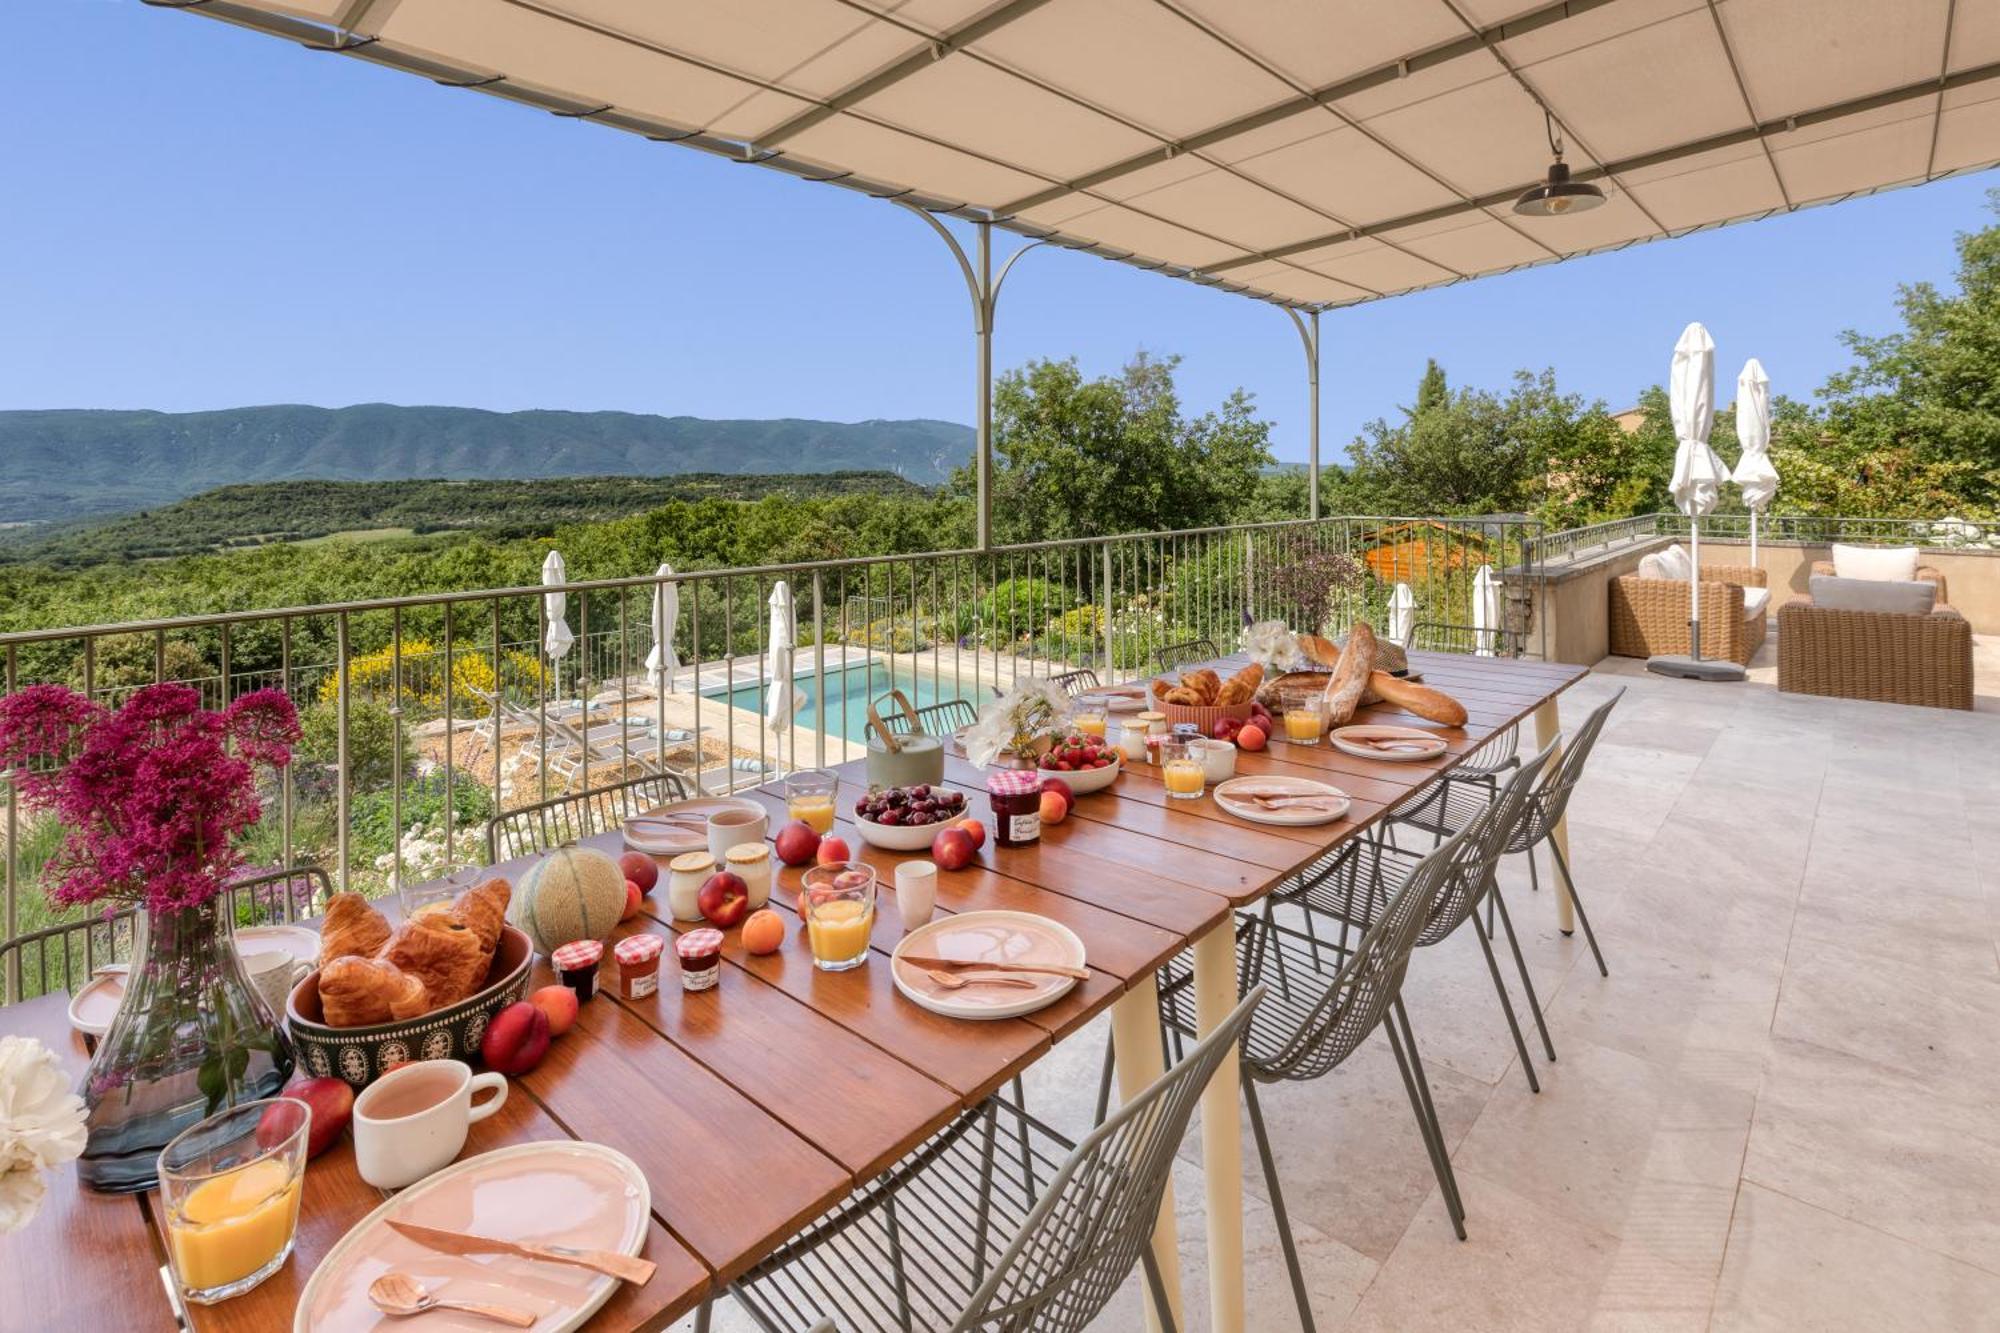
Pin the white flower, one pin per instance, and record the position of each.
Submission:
(1013, 721)
(1272, 646)
(20, 1198)
(41, 1125)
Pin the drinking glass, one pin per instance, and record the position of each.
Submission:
(809, 797)
(1305, 716)
(1181, 770)
(230, 1186)
(1088, 720)
(840, 913)
(453, 881)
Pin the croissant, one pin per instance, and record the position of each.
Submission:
(484, 908)
(443, 954)
(1203, 682)
(1233, 691)
(353, 929)
(355, 992)
(1252, 676)
(1184, 696)
(1160, 689)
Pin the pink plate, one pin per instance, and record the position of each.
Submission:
(974, 937)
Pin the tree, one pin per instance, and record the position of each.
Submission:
(1432, 392)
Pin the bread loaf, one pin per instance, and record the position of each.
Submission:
(1427, 703)
(1321, 652)
(1350, 675)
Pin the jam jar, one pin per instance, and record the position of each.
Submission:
(1017, 807)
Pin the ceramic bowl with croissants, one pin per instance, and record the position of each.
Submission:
(423, 990)
(1205, 697)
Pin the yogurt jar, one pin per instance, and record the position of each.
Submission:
(751, 862)
(686, 874)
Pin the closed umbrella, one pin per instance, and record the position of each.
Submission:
(1402, 614)
(556, 639)
(778, 693)
(1754, 475)
(1696, 486)
(1485, 610)
(662, 662)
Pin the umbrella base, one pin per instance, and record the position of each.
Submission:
(1695, 668)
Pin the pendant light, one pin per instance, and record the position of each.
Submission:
(1558, 194)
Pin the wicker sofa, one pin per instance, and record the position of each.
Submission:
(1885, 656)
(1649, 617)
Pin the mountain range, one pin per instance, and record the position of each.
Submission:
(66, 464)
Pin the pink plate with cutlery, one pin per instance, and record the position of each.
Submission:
(1395, 745)
(1276, 800)
(682, 827)
(996, 937)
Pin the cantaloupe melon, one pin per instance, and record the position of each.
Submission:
(573, 893)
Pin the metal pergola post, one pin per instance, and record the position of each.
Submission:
(1309, 335)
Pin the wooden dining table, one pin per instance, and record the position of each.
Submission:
(754, 1107)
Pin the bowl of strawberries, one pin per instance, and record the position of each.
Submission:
(1083, 761)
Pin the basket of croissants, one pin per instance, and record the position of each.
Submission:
(422, 990)
(1203, 697)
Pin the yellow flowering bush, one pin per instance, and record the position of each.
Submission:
(372, 676)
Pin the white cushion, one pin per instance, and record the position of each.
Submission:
(1912, 598)
(1894, 564)
(1651, 566)
(1678, 563)
(1754, 602)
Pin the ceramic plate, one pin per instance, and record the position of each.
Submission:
(1020, 937)
(1394, 745)
(644, 834)
(580, 1194)
(91, 1009)
(1234, 796)
(301, 942)
(1114, 703)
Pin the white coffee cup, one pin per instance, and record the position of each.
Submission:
(732, 827)
(412, 1121)
(274, 973)
(916, 892)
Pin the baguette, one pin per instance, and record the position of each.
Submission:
(1427, 703)
(1351, 674)
(1324, 652)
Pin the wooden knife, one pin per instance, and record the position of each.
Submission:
(1043, 969)
(623, 1267)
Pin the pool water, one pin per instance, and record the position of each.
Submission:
(848, 690)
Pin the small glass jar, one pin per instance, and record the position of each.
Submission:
(1016, 795)
(700, 952)
(1132, 740)
(576, 966)
(751, 862)
(638, 965)
(1155, 723)
(686, 874)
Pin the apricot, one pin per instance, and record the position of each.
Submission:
(764, 932)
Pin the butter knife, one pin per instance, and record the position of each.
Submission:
(1043, 969)
(623, 1267)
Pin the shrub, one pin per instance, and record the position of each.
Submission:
(1022, 606)
(371, 742)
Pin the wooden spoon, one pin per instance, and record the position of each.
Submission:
(401, 1294)
(957, 980)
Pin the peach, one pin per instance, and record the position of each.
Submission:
(724, 899)
(974, 830)
(1060, 787)
(764, 931)
(952, 849)
(634, 895)
(1054, 808)
(640, 869)
(332, 1103)
(832, 851)
(516, 1039)
(1251, 738)
(558, 1004)
(797, 843)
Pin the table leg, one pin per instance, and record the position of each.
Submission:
(1135, 1041)
(1221, 1131)
(1548, 728)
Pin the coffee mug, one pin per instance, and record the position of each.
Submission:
(732, 828)
(274, 973)
(412, 1121)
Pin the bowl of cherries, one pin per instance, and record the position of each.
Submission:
(905, 819)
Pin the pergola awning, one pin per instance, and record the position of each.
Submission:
(1315, 153)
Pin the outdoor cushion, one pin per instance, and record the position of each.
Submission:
(1896, 564)
(1754, 602)
(1677, 563)
(1913, 598)
(1652, 566)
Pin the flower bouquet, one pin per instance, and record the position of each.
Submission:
(41, 1126)
(1020, 722)
(153, 797)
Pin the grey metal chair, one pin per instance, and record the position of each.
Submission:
(997, 1221)
(1448, 806)
(1180, 654)
(1354, 885)
(565, 819)
(938, 719)
(1073, 683)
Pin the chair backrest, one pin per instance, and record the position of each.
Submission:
(938, 719)
(1546, 806)
(1494, 753)
(1088, 1229)
(565, 819)
(1073, 683)
(1487, 838)
(1180, 654)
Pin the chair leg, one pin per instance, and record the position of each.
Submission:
(1581, 915)
(1506, 1004)
(702, 1315)
(1104, 1085)
(1402, 1017)
(1277, 1201)
(1521, 966)
(1433, 1136)
(1021, 1128)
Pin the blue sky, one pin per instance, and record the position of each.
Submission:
(202, 217)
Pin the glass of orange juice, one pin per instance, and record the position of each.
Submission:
(809, 797)
(840, 913)
(230, 1186)
(1089, 720)
(1305, 716)
(1181, 770)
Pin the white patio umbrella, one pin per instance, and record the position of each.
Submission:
(782, 639)
(663, 661)
(556, 640)
(1485, 610)
(1696, 486)
(1754, 475)
(1402, 614)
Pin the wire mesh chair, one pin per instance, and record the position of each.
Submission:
(1073, 683)
(1356, 883)
(997, 1221)
(938, 719)
(1449, 806)
(1438, 636)
(1180, 654)
(565, 819)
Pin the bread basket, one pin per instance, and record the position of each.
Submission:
(1205, 718)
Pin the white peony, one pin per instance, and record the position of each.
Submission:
(1272, 646)
(41, 1125)
(20, 1197)
(1014, 721)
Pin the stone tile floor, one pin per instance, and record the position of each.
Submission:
(1775, 1113)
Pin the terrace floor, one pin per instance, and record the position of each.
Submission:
(1775, 1113)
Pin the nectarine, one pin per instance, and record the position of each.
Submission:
(832, 851)
(516, 1039)
(1251, 738)
(641, 869)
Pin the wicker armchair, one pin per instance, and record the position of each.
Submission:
(1886, 656)
(1650, 616)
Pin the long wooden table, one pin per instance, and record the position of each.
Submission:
(756, 1106)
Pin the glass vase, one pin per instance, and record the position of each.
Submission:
(191, 1037)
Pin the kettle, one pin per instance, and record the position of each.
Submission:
(906, 760)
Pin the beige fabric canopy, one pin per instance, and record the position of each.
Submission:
(1315, 153)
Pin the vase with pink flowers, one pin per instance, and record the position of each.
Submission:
(153, 798)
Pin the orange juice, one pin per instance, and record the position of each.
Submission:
(814, 810)
(1303, 726)
(1090, 724)
(1182, 776)
(232, 1225)
(838, 930)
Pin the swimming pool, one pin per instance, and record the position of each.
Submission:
(848, 690)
